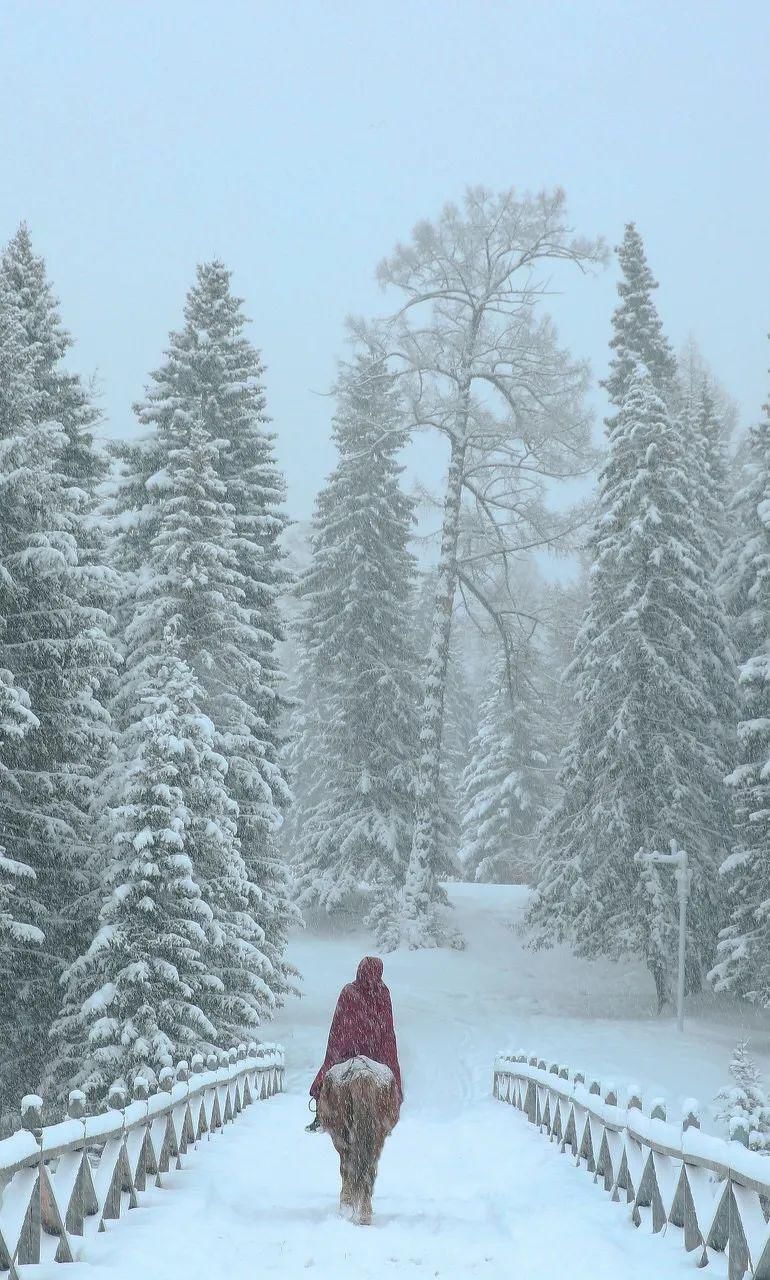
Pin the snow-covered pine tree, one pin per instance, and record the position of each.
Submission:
(740, 517)
(298, 757)
(222, 500)
(710, 417)
(565, 605)
(191, 581)
(704, 427)
(305, 765)
(638, 335)
(642, 766)
(138, 998)
(16, 718)
(712, 421)
(743, 1107)
(61, 398)
(16, 933)
(52, 636)
(505, 785)
(61, 395)
(690, 398)
(743, 965)
(355, 641)
(694, 372)
(655, 501)
(706, 416)
(709, 430)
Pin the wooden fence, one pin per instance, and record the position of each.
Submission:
(63, 1181)
(717, 1193)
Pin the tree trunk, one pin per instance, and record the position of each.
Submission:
(661, 987)
(420, 891)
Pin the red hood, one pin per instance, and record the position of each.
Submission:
(369, 973)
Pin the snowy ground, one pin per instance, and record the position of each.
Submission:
(466, 1186)
(596, 1017)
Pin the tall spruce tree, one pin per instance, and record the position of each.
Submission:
(743, 964)
(638, 336)
(709, 430)
(60, 394)
(139, 995)
(710, 486)
(355, 639)
(505, 784)
(53, 638)
(17, 935)
(712, 424)
(200, 506)
(565, 605)
(642, 766)
(740, 517)
(655, 618)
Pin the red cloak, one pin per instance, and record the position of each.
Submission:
(362, 1024)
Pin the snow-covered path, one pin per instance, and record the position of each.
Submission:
(466, 1186)
(477, 1195)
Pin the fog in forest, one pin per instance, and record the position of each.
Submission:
(384, 638)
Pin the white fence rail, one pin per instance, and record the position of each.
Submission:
(63, 1182)
(673, 1176)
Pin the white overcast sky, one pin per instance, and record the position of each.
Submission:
(299, 141)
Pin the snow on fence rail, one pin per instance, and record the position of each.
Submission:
(716, 1191)
(68, 1179)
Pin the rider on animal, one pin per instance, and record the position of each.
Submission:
(358, 1087)
(362, 1026)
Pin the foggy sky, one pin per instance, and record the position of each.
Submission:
(299, 141)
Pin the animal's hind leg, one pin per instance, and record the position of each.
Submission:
(342, 1147)
(364, 1206)
(368, 1177)
(346, 1176)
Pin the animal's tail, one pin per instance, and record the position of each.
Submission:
(364, 1111)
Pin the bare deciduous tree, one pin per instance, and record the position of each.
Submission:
(483, 367)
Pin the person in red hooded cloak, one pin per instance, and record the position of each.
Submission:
(362, 1024)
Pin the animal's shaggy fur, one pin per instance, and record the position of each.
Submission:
(358, 1107)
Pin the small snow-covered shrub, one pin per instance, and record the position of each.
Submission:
(743, 1106)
